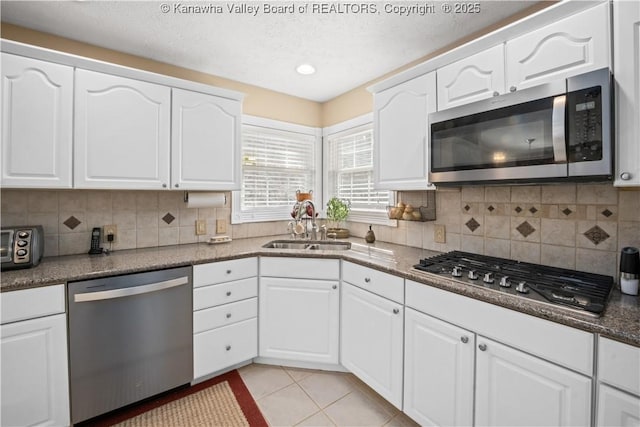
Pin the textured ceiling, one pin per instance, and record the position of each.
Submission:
(255, 44)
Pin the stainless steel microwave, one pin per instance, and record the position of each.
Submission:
(554, 132)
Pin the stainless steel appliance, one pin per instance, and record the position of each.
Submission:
(130, 337)
(553, 132)
(22, 246)
(576, 291)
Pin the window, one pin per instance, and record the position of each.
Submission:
(277, 160)
(349, 175)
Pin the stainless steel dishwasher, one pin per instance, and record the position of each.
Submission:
(130, 337)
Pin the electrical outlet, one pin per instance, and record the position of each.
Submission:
(221, 226)
(109, 233)
(201, 227)
(439, 233)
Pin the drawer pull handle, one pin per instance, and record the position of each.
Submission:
(482, 347)
(228, 293)
(228, 315)
(367, 279)
(228, 348)
(464, 339)
(228, 271)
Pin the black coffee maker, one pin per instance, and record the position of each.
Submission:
(629, 270)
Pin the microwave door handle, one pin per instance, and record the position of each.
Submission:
(557, 129)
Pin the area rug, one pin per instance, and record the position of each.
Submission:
(221, 401)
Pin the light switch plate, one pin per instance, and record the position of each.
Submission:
(201, 227)
(221, 226)
(439, 233)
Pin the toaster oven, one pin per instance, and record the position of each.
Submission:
(22, 246)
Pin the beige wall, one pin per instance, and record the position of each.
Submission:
(258, 101)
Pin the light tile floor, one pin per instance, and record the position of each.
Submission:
(304, 397)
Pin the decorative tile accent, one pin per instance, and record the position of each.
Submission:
(596, 235)
(472, 224)
(533, 209)
(72, 222)
(567, 211)
(607, 213)
(525, 229)
(491, 208)
(518, 209)
(467, 207)
(168, 218)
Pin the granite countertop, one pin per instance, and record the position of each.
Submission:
(620, 321)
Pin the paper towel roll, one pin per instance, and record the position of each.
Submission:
(206, 200)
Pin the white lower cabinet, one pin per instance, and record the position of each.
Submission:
(438, 371)
(299, 316)
(371, 341)
(617, 408)
(35, 378)
(516, 389)
(225, 317)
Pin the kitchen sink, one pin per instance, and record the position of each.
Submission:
(317, 245)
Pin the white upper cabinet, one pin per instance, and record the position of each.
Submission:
(626, 53)
(401, 134)
(121, 132)
(570, 46)
(37, 108)
(477, 77)
(205, 143)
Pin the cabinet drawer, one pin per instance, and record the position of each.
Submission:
(224, 293)
(551, 341)
(32, 303)
(224, 271)
(224, 315)
(619, 365)
(224, 347)
(383, 284)
(307, 268)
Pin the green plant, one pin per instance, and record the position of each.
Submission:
(337, 211)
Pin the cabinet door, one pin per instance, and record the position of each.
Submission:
(401, 143)
(477, 77)
(37, 117)
(571, 46)
(516, 389)
(35, 387)
(371, 341)
(438, 371)
(626, 46)
(205, 143)
(121, 133)
(617, 408)
(299, 319)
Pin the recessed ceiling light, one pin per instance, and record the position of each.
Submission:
(305, 69)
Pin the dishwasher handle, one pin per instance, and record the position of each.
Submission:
(133, 290)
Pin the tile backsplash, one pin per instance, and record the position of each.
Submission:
(580, 226)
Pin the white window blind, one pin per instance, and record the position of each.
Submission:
(350, 170)
(275, 163)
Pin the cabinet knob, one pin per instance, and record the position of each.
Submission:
(512, 89)
(367, 279)
(177, 185)
(228, 315)
(228, 347)
(482, 347)
(228, 293)
(396, 311)
(228, 271)
(164, 185)
(464, 339)
(625, 176)
(496, 93)
(334, 287)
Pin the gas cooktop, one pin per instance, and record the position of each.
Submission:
(577, 291)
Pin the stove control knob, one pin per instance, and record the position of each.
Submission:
(522, 288)
(488, 278)
(472, 275)
(456, 272)
(504, 282)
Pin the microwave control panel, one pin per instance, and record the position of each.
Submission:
(584, 122)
